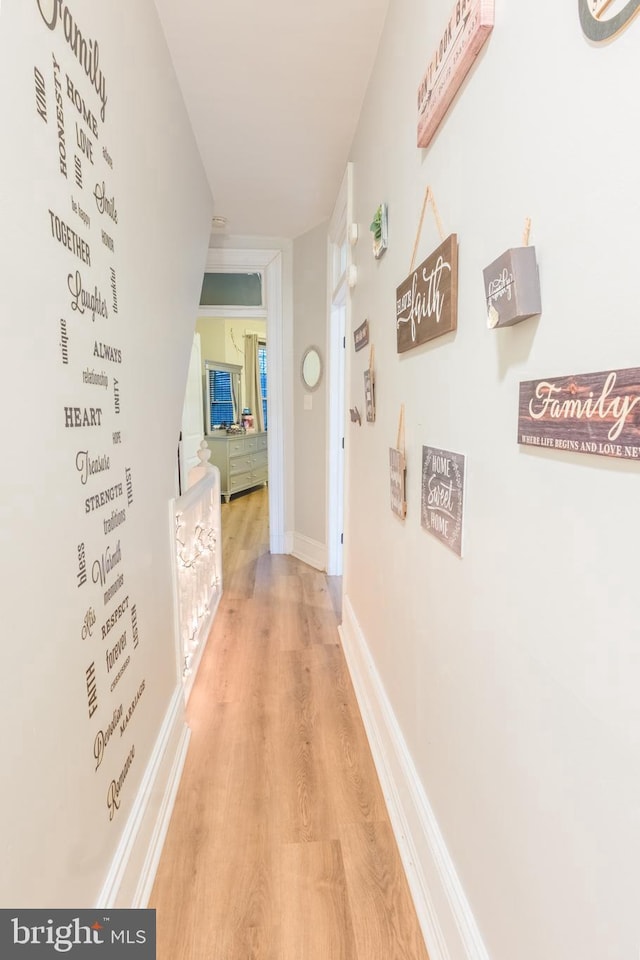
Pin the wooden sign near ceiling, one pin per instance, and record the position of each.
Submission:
(427, 301)
(469, 26)
(590, 413)
(600, 28)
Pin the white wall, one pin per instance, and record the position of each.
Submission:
(513, 673)
(60, 835)
(310, 422)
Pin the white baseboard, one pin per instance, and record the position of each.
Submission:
(309, 551)
(130, 878)
(447, 922)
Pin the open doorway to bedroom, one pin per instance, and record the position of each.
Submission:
(237, 367)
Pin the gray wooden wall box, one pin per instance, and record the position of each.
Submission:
(512, 287)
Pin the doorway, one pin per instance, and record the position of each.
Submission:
(267, 263)
(339, 270)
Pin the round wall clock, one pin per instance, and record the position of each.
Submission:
(599, 27)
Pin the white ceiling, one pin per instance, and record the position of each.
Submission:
(273, 91)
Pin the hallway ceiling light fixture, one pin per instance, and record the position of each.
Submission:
(219, 223)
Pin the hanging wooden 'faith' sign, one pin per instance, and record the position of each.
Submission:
(590, 413)
(427, 301)
(469, 26)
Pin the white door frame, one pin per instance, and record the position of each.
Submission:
(339, 260)
(269, 264)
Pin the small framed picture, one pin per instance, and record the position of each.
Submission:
(380, 231)
(369, 396)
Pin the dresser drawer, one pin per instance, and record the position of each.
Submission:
(240, 464)
(235, 446)
(241, 481)
(259, 459)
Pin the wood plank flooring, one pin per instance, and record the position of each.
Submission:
(280, 846)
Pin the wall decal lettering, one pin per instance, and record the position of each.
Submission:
(64, 341)
(84, 216)
(113, 654)
(81, 575)
(113, 589)
(82, 299)
(120, 674)
(41, 94)
(113, 793)
(129, 482)
(132, 707)
(87, 466)
(85, 144)
(114, 290)
(96, 379)
(105, 352)
(104, 736)
(105, 204)
(82, 416)
(88, 623)
(108, 561)
(113, 618)
(86, 52)
(101, 499)
(134, 626)
(117, 517)
(63, 233)
(62, 144)
(92, 689)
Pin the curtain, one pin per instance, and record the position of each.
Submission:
(253, 395)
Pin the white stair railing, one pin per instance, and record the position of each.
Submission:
(196, 521)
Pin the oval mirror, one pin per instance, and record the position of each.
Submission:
(311, 368)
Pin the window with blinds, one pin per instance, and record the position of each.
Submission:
(262, 367)
(222, 394)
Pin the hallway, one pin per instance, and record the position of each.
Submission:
(279, 847)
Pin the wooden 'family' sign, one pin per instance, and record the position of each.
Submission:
(427, 301)
(469, 26)
(443, 496)
(590, 413)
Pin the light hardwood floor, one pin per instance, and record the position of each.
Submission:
(280, 846)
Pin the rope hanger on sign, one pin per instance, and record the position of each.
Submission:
(428, 199)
